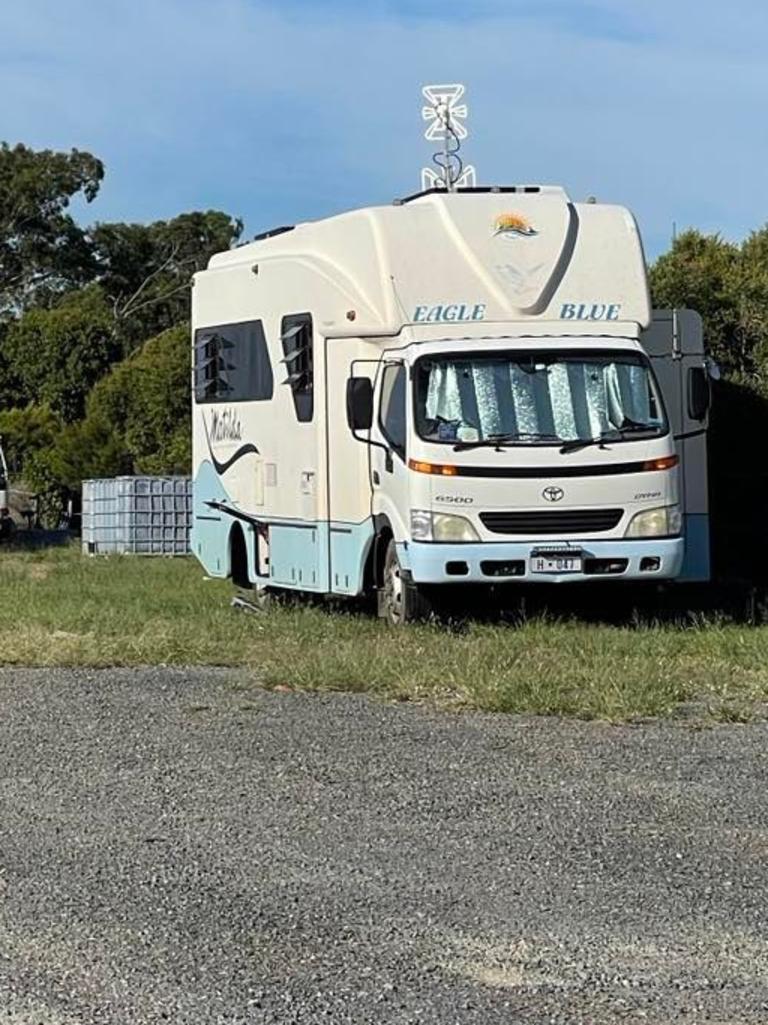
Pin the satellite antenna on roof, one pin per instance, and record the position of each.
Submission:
(446, 117)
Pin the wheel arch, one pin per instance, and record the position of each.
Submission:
(383, 534)
(238, 557)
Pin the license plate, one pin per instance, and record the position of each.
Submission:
(556, 564)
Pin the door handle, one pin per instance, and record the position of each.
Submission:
(376, 478)
(307, 486)
(389, 465)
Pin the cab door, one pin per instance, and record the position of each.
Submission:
(389, 458)
(350, 520)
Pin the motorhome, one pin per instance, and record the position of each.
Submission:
(462, 389)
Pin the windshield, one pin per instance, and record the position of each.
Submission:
(537, 398)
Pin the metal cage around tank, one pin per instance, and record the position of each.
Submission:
(137, 515)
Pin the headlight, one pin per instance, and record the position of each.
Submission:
(446, 527)
(428, 526)
(665, 521)
(421, 525)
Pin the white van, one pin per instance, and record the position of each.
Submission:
(459, 389)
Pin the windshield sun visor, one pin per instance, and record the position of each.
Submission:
(571, 398)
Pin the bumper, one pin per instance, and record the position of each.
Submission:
(510, 562)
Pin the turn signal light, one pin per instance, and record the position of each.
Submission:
(440, 469)
(665, 463)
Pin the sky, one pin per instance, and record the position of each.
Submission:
(282, 110)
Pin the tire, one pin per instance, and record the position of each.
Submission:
(400, 600)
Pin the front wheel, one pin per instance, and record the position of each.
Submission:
(400, 600)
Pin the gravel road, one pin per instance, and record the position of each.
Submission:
(179, 846)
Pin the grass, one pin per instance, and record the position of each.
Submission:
(62, 609)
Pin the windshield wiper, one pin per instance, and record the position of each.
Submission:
(497, 440)
(577, 443)
(630, 426)
(615, 434)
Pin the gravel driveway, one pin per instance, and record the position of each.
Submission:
(179, 846)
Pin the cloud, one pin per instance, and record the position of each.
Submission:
(282, 111)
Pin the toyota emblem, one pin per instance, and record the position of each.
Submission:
(553, 494)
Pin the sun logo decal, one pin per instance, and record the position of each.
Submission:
(513, 225)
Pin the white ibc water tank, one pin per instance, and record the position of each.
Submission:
(137, 515)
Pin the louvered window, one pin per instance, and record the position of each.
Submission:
(296, 335)
(232, 363)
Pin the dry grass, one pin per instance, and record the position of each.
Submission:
(62, 609)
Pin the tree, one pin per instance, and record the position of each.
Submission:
(25, 431)
(146, 270)
(73, 303)
(751, 297)
(56, 355)
(42, 249)
(88, 448)
(137, 421)
(146, 402)
(702, 272)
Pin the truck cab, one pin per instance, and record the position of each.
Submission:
(499, 460)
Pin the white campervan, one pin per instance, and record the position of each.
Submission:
(459, 389)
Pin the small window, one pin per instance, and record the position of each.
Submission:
(393, 394)
(296, 334)
(232, 364)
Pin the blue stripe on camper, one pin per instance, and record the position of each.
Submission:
(299, 550)
(210, 528)
(350, 547)
(298, 555)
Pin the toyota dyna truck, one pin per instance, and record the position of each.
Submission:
(461, 390)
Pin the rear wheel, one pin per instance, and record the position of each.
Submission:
(400, 600)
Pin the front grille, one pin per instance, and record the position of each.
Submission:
(555, 521)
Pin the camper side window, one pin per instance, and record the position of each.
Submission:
(232, 363)
(393, 389)
(296, 335)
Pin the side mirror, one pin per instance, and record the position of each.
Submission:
(359, 403)
(698, 393)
